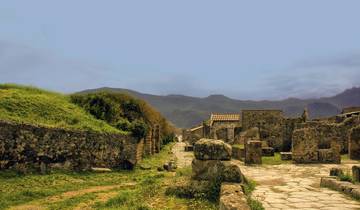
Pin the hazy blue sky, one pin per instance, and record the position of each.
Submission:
(244, 49)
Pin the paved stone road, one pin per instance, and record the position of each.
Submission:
(183, 158)
(290, 186)
(287, 186)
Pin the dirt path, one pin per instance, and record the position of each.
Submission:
(101, 190)
(290, 186)
(183, 159)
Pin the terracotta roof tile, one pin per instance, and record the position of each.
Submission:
(225, 117)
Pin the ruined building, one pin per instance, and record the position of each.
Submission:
(317, 140)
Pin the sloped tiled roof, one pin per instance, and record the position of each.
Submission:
(224, 117)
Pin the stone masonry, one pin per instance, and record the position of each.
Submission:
(253, 152)
(354, 144)
(24, 147)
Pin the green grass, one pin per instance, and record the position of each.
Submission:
(239, 146)
(248, 188)
(275, 160)
(148, 193)
(40, 107)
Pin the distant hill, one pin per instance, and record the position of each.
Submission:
(186, 111)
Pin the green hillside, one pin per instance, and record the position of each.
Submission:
(40, 107)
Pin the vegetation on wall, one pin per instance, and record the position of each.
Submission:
(31, 105)
(123, 112)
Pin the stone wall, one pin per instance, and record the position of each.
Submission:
(192, 135)
(289, 127)
(354, 144)
(24, 147)
(270, 124)
(307, 147)
(327, 132)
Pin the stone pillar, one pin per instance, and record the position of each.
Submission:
(356, 173)
(253, 152)
(157, 139)
(354, 143)
(148, 143)
(230, 134)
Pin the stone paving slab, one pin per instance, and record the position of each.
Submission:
(291, 186)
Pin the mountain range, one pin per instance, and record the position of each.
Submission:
(186, 111)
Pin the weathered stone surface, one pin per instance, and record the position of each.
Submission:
(210, 149)
(232, 197)
(356, 173)
(336, 172)
(355, 193)
(268, 151)
(238, 153)
(305, 146)
(269, 122)
(286, 155)
(354, 144)
(328, 156)
(189, 188)
(215, 169)
(253, 152)
(24, 147)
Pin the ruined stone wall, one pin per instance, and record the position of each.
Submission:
(224, 131)
(270, 123)
(307, 147)
(25, 146)
(289, 127)
(326, 131)
(192, 135)
(354, 144)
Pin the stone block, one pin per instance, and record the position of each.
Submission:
(356, 173)
(328, 156)
(305, 146)
(286, 155)
(211, 149)
(253, 152)
(232, 197)
(268, 151)
(336, 172)
(210, 170)
(354, 144)
(355, 193)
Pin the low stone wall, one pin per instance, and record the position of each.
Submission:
(348, 188)
(24, 147)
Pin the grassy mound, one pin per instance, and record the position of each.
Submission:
(35, 106)
(124, 112)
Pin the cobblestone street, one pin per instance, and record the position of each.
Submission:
(290, 186)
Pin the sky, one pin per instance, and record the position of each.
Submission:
(242, 49)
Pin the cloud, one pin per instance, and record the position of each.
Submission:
(26, 65)
(317, 78)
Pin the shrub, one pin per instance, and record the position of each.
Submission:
(123, 124)
(139, 129)
(168, 139)
(346, 177)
